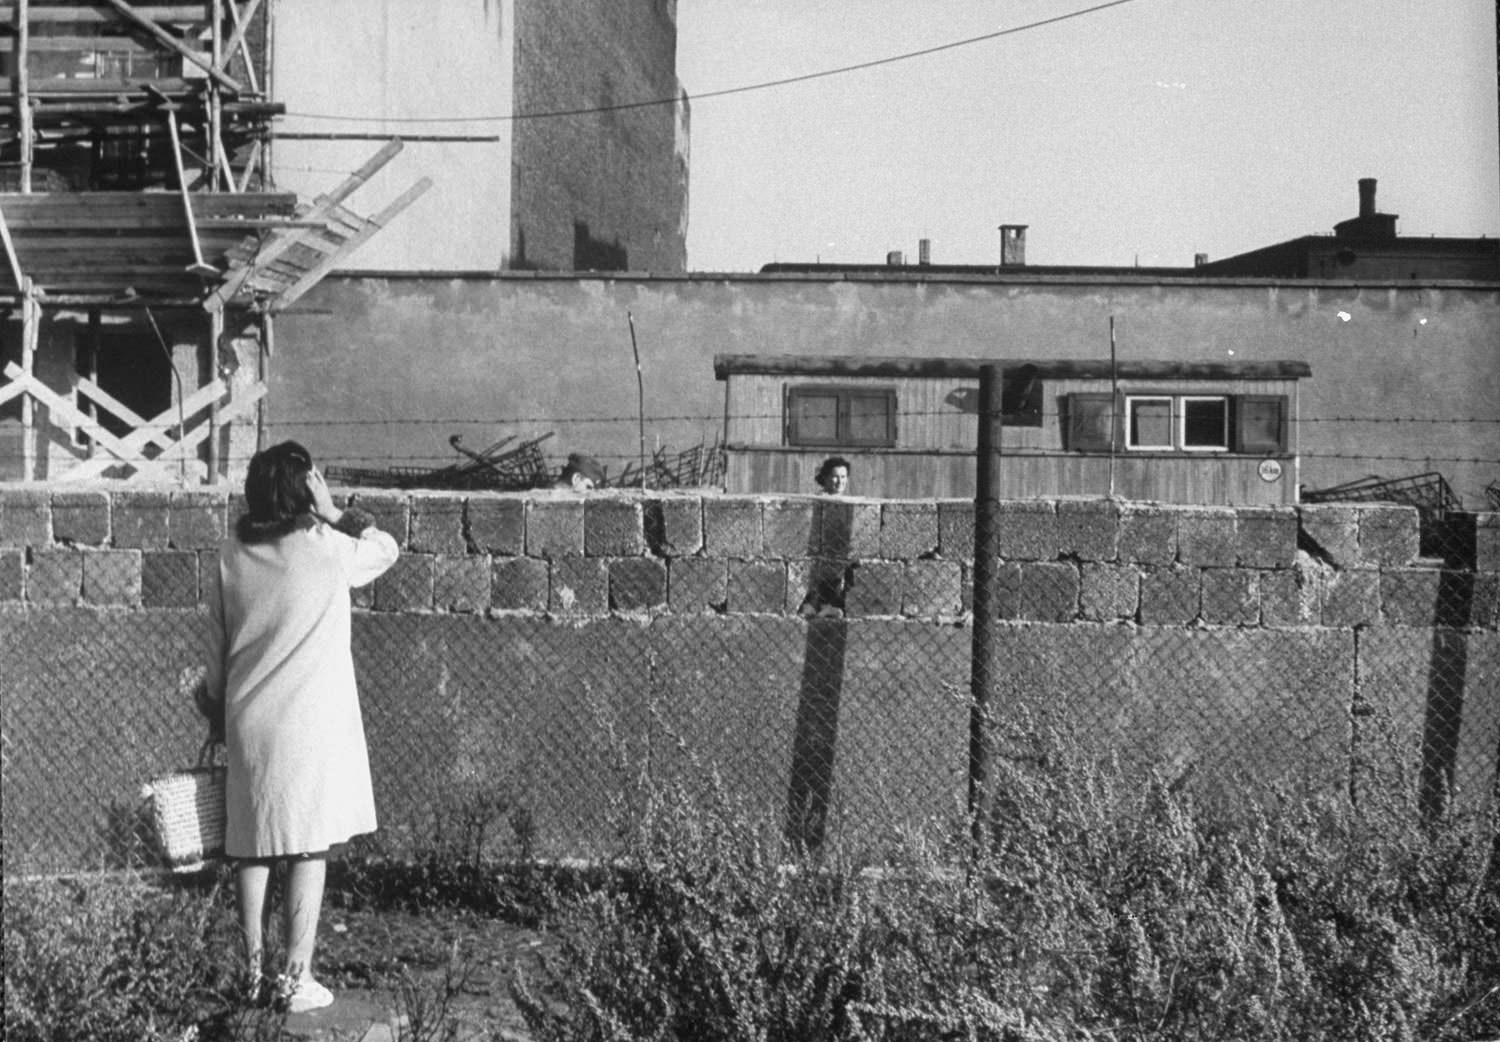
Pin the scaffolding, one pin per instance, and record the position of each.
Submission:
(134, 180)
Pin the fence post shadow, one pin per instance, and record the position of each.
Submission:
(1448, 666)
(815, 738)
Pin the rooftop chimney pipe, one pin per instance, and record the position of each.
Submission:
(924, 251)
(1366, 196)
(1012, 245)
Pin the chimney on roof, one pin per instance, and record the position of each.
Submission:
(1200, 259)
(895, 259)
(924, 251)
(1012, 245)
(1371, 224)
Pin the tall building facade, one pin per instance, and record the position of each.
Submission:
(555, 131)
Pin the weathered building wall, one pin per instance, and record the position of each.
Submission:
(411, 61)
(519, 638)
(603, 190)
(555, 351)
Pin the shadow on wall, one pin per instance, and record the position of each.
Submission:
(1448, 666)
(815, 739)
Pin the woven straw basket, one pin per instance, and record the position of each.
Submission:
(187, 809)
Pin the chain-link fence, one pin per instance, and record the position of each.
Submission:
(816, 655)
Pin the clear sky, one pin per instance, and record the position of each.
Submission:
(1142, 133)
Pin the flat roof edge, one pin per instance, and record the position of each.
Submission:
(726, 365)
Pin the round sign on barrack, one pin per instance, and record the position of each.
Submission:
(1269, 469)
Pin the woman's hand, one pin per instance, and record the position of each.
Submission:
(323, 505)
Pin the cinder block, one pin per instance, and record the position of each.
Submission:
(408, 585)
(1487, 542)
(1230, 596)
(1331, 532)
(1291, 597)
(391, 511)
(875, 589)
(1411, 596)
(956, 530)
(637, 583)
(80, 518)
(1088, 529)
(908, 531)
(1267, 537)
(1049, 591)
(1148, 535)
(12, 575)
(818, 584)
(461, 583)
(1027, 530)
(1169, 596)
(696, 584)
(497, 525)
(966, 593)
(554, 528)
(732, 527)
(674, 526)
(169, 578)
(112, 577)
(519, 584)
(789, 528)
(142, 520)
(580, 586)
(932, 589)
(1388, 535)
(613, 527)
(25, 517)
(1484, 612)
(1206, 537)
(1005, 592)
(848, 528)
(437, 524)
(1351, 597)
(1109, 592)
(195, 520)
(756, 587)
(54, 577)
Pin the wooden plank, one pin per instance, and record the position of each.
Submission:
(151, 433)
(10, 252)
(64, 409)
(40, 14)
(380, 220)
(119, 409)
(280, 243)
(173, 44)
(242, 20)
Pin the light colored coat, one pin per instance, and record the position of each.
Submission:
(281, 662)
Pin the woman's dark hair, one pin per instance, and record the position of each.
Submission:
(827, 467)
(276, 493)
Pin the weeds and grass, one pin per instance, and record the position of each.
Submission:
(118, 958)
(1096, 908)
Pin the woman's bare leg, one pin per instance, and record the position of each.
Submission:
(303, 904)
(252, 886)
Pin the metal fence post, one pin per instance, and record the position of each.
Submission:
(982, 672)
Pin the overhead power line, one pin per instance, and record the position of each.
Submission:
(767, 85)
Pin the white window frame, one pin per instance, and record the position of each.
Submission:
(1130, 402)
(1179, 405)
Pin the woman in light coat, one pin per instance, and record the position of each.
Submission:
(280, 691)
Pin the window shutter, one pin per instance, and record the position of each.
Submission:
(1260, 423)
(1091, 422)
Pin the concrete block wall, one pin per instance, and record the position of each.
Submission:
(1064, 561)
(1269, 640)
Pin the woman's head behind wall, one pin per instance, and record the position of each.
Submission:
(833, 475)
(276, 492)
